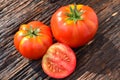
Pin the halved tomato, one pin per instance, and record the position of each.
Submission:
(59, 61)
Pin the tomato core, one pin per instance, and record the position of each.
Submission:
(75, 14)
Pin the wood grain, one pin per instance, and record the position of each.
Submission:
(98, 60)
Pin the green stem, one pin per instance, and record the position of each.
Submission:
(75, 14)
(33, 32)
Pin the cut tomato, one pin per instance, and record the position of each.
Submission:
(59, 61)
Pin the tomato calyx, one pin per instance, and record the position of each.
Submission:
(32, 32)
(75, 14)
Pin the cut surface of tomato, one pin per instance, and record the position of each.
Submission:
(59, 61)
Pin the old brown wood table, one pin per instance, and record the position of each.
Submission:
(98, 60)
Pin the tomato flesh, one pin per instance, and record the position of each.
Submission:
(59, 61)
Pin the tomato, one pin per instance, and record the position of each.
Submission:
(33, 39)
(74, 25)
(59, 61)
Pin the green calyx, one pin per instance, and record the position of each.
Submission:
(75, 14)
(32, 32)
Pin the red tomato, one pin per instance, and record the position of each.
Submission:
(33, 39)
(59, 61)
(74, 25)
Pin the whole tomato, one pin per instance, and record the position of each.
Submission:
(74, 25)
(33, 39)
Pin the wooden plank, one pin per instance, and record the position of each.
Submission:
(98, 60)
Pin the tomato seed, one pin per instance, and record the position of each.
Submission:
(53, 70)
(59, 70)
(68, 60)
(49, 65)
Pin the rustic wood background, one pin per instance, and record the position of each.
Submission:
(98, 60)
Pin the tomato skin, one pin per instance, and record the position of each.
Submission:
(18, 37)
(33, 47)
(72, 33)
(59, 61)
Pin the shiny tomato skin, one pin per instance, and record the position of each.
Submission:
(35, 46)
(18, 37)
(72, 33)
(59, 61)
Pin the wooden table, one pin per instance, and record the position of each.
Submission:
(98, 60)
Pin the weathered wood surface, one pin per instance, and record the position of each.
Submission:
(98, 60)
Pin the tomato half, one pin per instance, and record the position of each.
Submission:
(74, 25)
(33, 39)
(59, 61)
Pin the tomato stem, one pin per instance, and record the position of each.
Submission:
(75, 14)
(33, 32)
